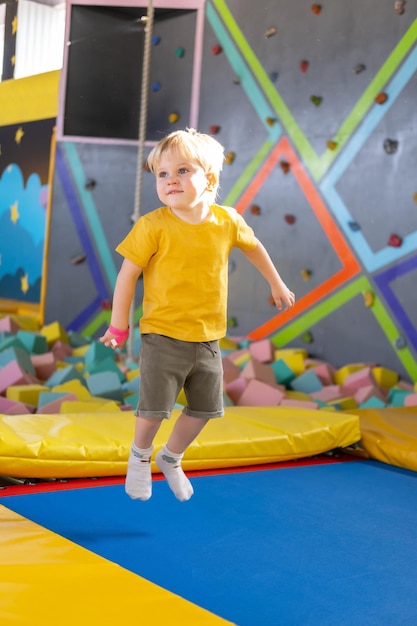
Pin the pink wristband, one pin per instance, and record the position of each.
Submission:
(119, 333)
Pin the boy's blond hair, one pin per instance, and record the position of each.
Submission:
(192, 145)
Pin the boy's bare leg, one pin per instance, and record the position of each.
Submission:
(138, 483)
(168, 459)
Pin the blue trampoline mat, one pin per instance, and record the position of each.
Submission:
(306, 546)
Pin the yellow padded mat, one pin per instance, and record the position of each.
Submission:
(46, 579)
(93, 445)
(390, 435)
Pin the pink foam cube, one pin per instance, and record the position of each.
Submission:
(230, 370)
(259, 371)
(53, 407)
(410, 399)
(7, 324)
(11, 407)
(370, 391)
(235, 388)
(12, 374)
(329, 393)
(259, 393)
(263, 350)
(325, 373)
(44, 364)
(361, 378)
(61, 350)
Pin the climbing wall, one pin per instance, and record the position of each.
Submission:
(315, 105)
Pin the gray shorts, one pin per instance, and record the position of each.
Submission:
(167, 365)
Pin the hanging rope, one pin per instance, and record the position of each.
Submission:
(143, 114)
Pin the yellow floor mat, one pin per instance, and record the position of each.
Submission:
(390, 435)
(46, 579)
(94, 445)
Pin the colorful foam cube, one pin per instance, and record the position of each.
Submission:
(107, 365)
(303, 404)
(308, 382)
(34, 343)
(96, 353)
(44, 365)
(28, 394)
(230, 370)
(64, 375)
(259, 371)
(262, 350)
(235, 388)
(8, 324)
(283, 373)
(18, 355)
(12, 374)
(385, 377)
(361, 378)
(54, 406)
(12, 407)
(260, 393)
(293, 357)
(54, 332)
(105, 385)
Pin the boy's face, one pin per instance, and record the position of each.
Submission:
(181, 183)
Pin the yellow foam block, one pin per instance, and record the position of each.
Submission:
(227, 344)
(341, 374)
(298, 395)
(132, 374)
(85, 407)
(76, 387)
(28, 394)
(98, 444)
(53, 332)
(38, 567)
(390, 435)
(384, 377)
(344, 404)
(294, 358)
(80, 350)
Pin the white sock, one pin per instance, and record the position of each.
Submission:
(170, 465)
(138, 484)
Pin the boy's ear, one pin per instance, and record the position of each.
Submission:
(211, 181)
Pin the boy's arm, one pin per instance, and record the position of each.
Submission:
(260, 259)
(122, 300)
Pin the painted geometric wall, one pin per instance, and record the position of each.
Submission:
(318, 110)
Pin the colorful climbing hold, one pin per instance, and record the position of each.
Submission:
(255, 209)
(400, 343)
(304, 65)
(285, 166)
(179, 52)
(399, 6)
(415, 197)
(155, 40)
(289, 218)
(216, 49)
(307, 337)
(156, 86)
(270, 32)
(368, 298)
(214, 129)
(306, 274)
(316, 100)
(273, 76)
(390, 146)
(229, 158)
(395, 241)
(354, 226)
(359, 68)
(381, 98)
(332, 145)
(316, 8)
(173, 117)
(270, 121)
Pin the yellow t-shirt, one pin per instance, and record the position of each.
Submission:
(185, 270)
